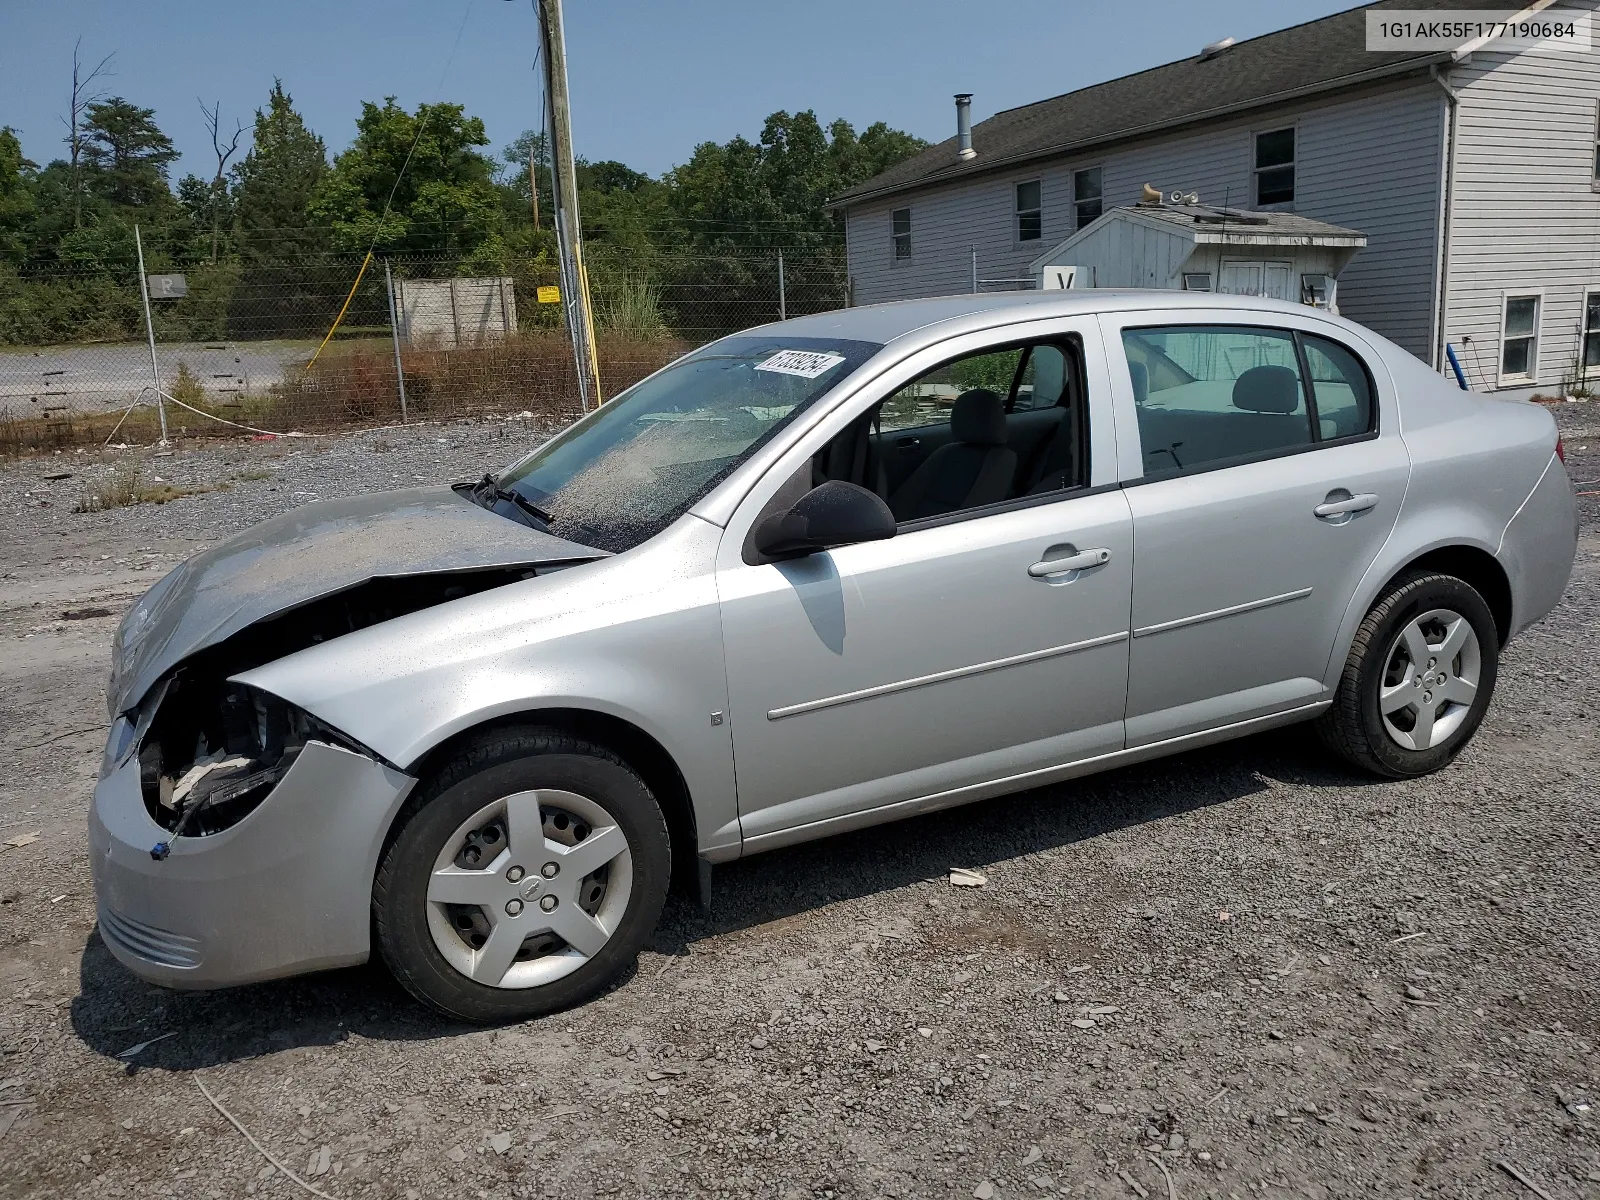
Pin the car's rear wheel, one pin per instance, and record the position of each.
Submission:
(524, 877)
(1419, 678)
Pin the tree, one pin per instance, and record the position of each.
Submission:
(275, 181)
(218, 199)
(780, 184)
(127, 153)
(84, 93)
(412, 182)
(16, 195)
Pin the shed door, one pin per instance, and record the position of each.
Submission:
(1248, 277)
(1275, 278)
(1240, 278)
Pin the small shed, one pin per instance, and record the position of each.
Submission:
(1199, 247)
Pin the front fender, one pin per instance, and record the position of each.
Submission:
(637, 637)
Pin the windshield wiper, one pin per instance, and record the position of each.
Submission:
(490, 486)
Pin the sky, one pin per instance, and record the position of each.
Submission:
(649, 80)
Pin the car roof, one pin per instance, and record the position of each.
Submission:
(883, 323)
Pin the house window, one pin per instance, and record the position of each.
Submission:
(1597, 142)
(1086, 196)
(1591, 332)
(1519, 341)
(1275, 167)
(902, 233)
(1030, 218)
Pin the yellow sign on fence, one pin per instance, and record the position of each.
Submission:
(549, 294)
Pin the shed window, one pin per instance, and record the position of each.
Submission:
(1519, 343)
(1030, 218)
(1086, 196)
(1275, 166)
(902, 232)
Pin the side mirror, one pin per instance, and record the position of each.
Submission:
(832, 514)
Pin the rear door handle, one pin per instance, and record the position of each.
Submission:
(1081, 561)
(1339, 508)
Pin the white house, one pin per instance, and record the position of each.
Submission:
(1474, 173)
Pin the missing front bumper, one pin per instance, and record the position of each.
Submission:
(285, 891)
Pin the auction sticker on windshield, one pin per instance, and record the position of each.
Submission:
(807, 364)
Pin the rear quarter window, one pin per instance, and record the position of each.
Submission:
(1341, 386)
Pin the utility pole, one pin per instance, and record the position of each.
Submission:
(569, 228)
(394, 332)
(533, 183)
(150, 328)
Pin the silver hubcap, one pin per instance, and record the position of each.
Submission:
(529, 888)
(1430, 679)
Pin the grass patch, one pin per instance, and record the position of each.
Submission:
(354, 386)
(127, 486)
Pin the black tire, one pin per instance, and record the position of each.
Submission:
(1354, 728)
(497, 765)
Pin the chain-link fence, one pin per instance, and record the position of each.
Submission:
(237, 343)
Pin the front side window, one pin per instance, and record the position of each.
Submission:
(1087, 196)
(1043, 381)
(900, 222)
(978, 430)
(1274, 169)
(1030, 212)
(1591, 332)
(633, 466)
(1519, 341)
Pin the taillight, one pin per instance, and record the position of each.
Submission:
(1561, 451)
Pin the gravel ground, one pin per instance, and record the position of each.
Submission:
(1240, 972)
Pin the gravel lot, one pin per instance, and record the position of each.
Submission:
(1239, 972)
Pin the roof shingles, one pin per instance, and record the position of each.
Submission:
(1329, 52)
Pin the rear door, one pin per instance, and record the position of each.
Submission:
(1272, 473)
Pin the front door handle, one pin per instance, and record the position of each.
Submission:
(1346, 507)
(1081, 561)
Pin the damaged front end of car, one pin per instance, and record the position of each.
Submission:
(210, 749)
(234, 835)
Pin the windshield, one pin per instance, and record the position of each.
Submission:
(632, 467)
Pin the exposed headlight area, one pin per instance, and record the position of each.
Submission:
(214, 750)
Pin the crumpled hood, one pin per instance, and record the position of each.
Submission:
(307, 553)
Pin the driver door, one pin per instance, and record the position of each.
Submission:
(915, 670)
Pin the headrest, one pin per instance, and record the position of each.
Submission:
(979, 418)
(1267, 390)
(1141, 380)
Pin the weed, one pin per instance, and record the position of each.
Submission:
(127, 486)
(186, 386)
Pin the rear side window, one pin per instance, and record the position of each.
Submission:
(1210, 396)
(1340, 387)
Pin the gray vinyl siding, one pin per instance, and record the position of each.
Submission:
(1369, 161)
(1525, 213)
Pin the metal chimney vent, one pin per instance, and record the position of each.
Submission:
(1216, 48)
(964, 148)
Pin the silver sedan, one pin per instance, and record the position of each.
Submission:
(815, 576)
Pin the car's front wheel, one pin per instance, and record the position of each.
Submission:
(526, 875)
(1418, 680)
